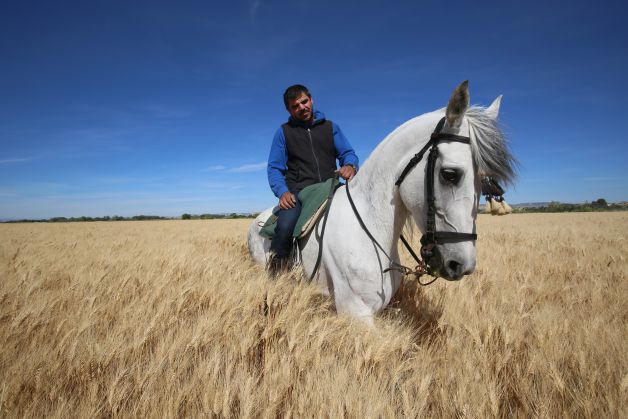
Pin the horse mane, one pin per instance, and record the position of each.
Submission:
(490, 147)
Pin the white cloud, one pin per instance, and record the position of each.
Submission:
(166, 112)
(254, 7)
(220, 185)
(214, 168)
(246, 168)
(15, 160)
(602, 178)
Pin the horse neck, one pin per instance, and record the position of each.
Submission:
(373, 188)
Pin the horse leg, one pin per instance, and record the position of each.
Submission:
(355, 307)
(347, 301)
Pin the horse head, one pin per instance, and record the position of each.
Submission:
(468, 138)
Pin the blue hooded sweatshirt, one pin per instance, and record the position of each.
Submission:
(278, 157)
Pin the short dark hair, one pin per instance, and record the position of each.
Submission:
(293, 92)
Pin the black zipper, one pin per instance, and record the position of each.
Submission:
(309, 134)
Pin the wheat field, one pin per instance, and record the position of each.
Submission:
(171, 319)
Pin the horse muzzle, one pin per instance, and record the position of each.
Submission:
(447, 264)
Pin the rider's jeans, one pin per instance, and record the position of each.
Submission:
(281, 243)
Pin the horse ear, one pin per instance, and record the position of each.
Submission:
(458, 104)
(493, 110)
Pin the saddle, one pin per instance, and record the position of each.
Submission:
(313, 203)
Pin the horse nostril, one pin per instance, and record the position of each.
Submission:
(453, 266)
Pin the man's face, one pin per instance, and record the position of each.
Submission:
(301, 108)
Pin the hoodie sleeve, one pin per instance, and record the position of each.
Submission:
(344, 152)
(277, 164)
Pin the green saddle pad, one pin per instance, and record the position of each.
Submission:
(313, 199)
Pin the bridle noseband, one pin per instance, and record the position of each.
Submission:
(431, 237)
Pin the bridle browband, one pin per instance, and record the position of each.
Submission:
(431, 237)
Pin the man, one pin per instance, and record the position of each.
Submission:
(304, 152)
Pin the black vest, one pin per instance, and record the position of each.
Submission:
(311, 153)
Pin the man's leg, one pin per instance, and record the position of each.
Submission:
(281, 244)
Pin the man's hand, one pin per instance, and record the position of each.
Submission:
(287, 201)
(346, 172)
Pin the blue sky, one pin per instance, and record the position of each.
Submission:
(126, 108)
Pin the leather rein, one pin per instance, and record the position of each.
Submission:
(431, 237)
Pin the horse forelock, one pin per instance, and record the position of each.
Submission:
(490, 147)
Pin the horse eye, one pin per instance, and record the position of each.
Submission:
(450, 175)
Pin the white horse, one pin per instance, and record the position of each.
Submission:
(352, 266)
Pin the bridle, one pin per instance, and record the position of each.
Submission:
(431, 237)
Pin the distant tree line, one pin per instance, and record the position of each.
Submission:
(595, 206)
(133, 218)
(233, 215)
(554, 206)
(83, 219)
